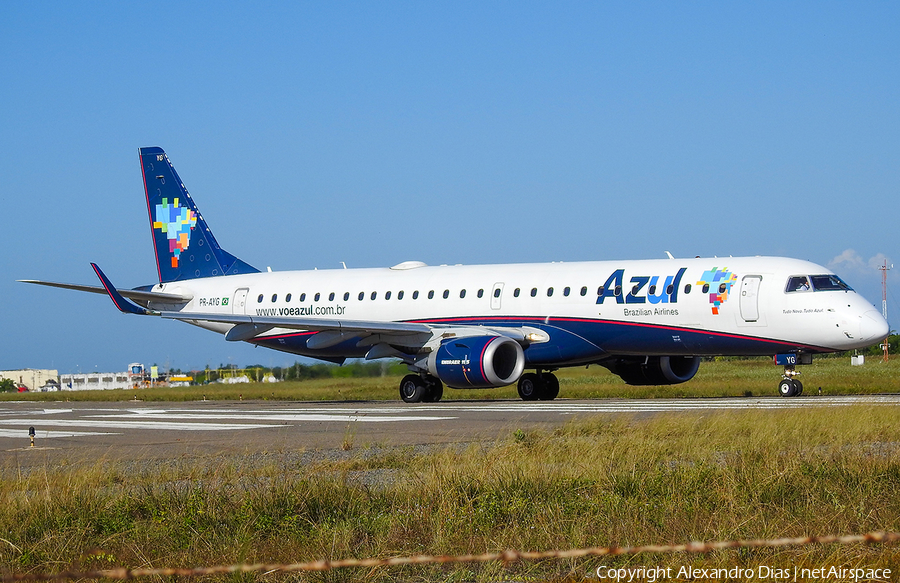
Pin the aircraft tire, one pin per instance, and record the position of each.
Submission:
(798, 388)
(413, 389)
(530, 387)
(434, 390)
(551, 387)
(786, 388)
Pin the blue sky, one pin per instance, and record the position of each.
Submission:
(373, 133)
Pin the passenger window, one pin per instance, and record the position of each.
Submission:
(722, 288)
(516, 293)
(362, 295)
(259, 299)
(302, 298)
(549, 292)
(600, 290)
(317, 296)
(287, 298)
(462, 293)
(331, 297)
(533, 292)
(798, 283)
(346, 296)
(567, 291)
(584, 291)
(274, 297)
(481, 293)
(387, 295)
(687, 288)
(416, 295)
(374, 295)
(669, 289)
(400, 295)
(497, 293)
(706, 288)
(618, 291)
(652, 290)
(446, 293)
(431, 294)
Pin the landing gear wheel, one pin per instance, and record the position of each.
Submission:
(530, 387)
(786, 388)
(551, 387)
(434, 390)
(412, 389)
(798, 388)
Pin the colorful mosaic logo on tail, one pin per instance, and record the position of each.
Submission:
(719, 282)
(177, 223)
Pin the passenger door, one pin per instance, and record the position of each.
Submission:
(750, 297)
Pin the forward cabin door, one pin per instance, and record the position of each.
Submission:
(496, 295)
(240, 301)
(750, 297)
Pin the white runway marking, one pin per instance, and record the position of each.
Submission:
(22, 434)
(158, 425)
(276, 416)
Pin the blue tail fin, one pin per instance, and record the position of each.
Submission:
(185, 247)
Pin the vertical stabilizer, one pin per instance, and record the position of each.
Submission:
(185, 247)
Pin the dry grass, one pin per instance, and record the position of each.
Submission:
(718, 378)
(597, 481)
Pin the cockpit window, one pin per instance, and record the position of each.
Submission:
(800, 283)
(829, 283)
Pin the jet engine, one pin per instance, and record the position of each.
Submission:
(477, 362)
(655, 370)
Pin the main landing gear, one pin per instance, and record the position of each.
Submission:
(416, 388)
(542, 386)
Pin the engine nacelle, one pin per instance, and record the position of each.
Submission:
(656, 370)
(477, 362)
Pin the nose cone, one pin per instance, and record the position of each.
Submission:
(872, 326)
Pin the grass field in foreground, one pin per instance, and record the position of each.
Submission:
(716, 378)
(597, 481)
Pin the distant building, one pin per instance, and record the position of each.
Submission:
(31, 378)
(95, 381)
(179, 380)
(133, 378)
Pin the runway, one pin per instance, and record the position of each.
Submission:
(136, 430)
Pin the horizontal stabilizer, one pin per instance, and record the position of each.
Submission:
(131, 294)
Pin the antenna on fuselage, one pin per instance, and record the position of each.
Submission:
(670, 255)
(884, 269)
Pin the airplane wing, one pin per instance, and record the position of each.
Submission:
(311, 324)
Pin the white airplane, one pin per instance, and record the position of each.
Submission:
(479, 326)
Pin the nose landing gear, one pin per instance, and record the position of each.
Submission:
(790, 385)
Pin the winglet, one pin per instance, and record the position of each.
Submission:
(121, 303)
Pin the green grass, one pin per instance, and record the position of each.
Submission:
(597, 481)
(716, 378)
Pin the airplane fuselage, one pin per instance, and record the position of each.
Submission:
(589, 310)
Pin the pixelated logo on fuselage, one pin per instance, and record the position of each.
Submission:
(719, 282)
(176, 222)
